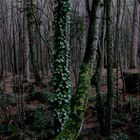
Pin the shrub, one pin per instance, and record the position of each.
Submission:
(8, 129)
(136, 122)
(39, 120)
(39, 96)
(118, 136)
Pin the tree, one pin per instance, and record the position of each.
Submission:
(109, 67)
(79, 101)
(97, 77)
(117, 46)
(134, 38)
(61, 76)
(31, 26)
(26, 45)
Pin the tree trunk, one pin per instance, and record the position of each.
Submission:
(79, 101)
(31, 25)
(26, 46)
(61, 76)
(109, 50)
(117, 46)
(134, 38)
(97, 77)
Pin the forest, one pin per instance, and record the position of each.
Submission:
(69, 69)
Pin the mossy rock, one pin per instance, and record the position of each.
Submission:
(131, 81)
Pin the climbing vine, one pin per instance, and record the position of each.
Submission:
(79, 102)
(61, 76)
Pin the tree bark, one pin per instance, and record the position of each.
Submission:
(79, 101)
(134, 38)
(109, 50)
(26, 46)
(31, 25)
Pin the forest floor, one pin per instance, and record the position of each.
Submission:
(125, 124)
(22, 108)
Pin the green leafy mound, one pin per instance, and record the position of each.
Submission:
(136, 122)
(8, 129)
(39, 120)
(120, 119)
(118, 136)
(41, 96)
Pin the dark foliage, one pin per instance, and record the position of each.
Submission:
(131, 82)
(40, 121)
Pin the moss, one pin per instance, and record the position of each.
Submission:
(78, 106)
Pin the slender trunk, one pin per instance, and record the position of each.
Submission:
(31, 25)
(26, 46)
(134, 38)
(109, 66)
(117, 43)
(96, 78)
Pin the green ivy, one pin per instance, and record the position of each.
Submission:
(61, 76)
(78, 106)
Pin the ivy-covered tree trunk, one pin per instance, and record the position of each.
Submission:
(79, 101)
(109, 50)
(31, 26)
(61, 76)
